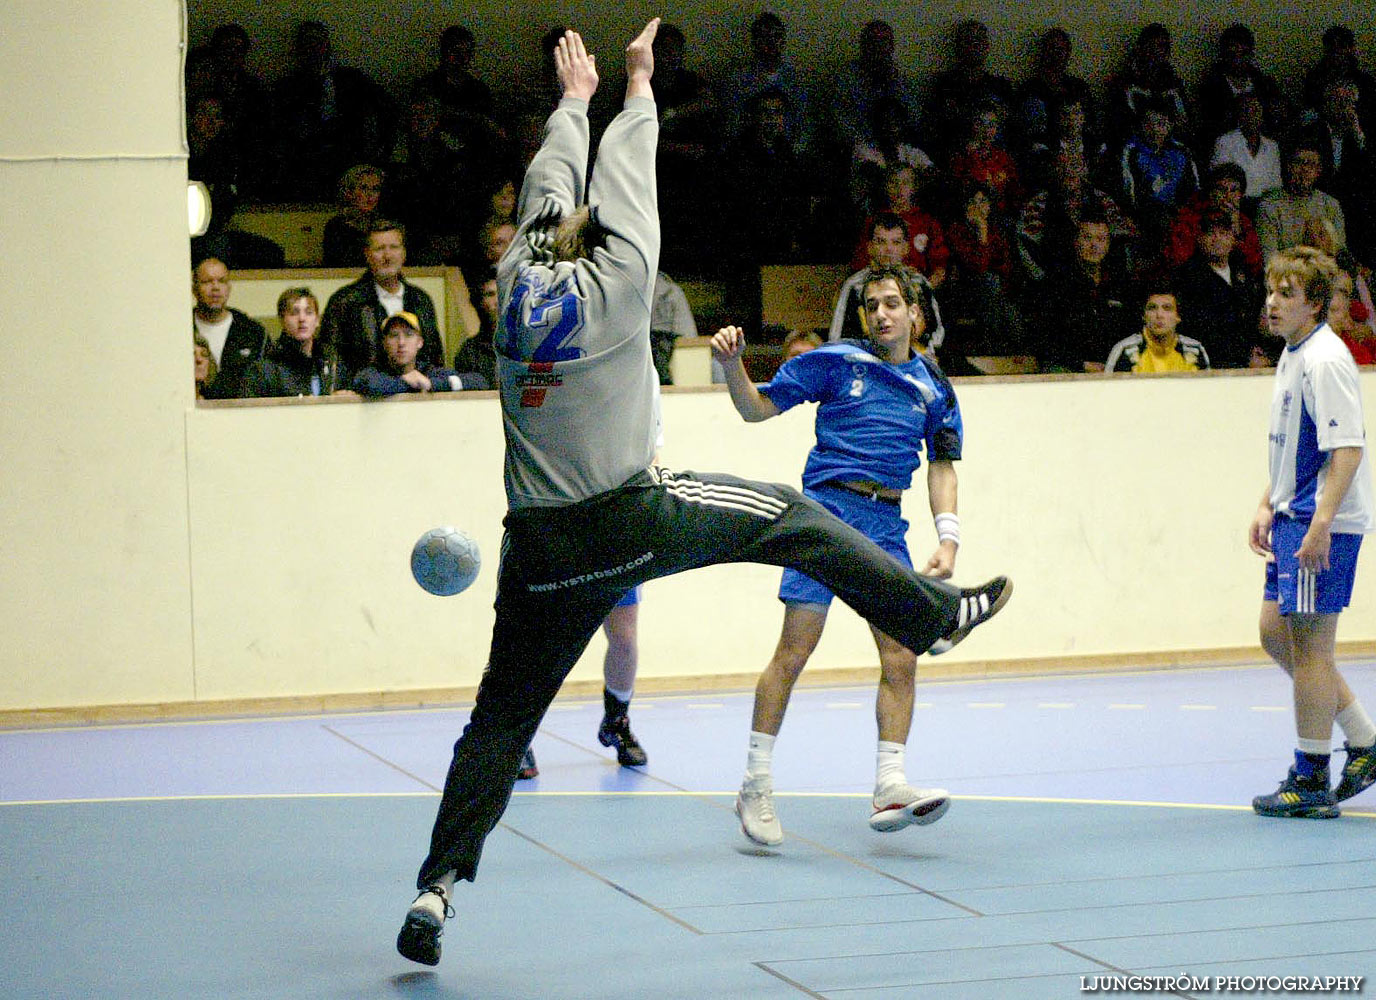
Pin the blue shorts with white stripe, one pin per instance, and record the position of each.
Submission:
(1303, 591)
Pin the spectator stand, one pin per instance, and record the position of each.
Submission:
(255, 293)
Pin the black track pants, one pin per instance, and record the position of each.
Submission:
(564, 568)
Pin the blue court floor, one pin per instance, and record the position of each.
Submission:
(1100, 827)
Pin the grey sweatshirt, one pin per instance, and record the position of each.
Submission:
(573, 339)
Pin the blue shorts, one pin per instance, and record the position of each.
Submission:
(632, 598)
(1302, 591)
(882, 523)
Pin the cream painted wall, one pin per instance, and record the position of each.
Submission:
(159, 552)
(94, 584)
(1118, 506)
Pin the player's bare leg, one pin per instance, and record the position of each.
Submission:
(897, 804)
(802, 629)
(619, 667)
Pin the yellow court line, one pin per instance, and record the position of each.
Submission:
(261, 796)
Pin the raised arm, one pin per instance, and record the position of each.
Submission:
(622, 190)
(640, 62)
(555, 176)
(750, 403)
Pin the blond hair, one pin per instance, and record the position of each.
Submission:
(1309, 269)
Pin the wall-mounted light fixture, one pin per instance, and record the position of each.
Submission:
(197, 208)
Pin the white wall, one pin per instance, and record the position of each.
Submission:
(94, 583)
(1119, 507)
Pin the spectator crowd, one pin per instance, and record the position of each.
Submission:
(1146, 218)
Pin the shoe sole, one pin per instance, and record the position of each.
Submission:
(918, 813)
(1299, 812)
(751, 837)
(946, 643)
(419, 939)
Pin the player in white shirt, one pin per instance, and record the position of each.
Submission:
(1309, 525)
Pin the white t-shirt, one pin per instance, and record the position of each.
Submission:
(1316, 406)
(392, 303)
(1262, 171)
(215, 334)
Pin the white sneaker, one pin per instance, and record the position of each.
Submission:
(898, 806)
(755, 807)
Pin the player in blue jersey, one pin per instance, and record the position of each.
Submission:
(881, 403)
(1309, 526)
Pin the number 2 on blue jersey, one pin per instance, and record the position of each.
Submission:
(561, 314)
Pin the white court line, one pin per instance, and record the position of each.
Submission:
(1199, 708)
(1117, 707)
(985, 704)
(1270, 708)
(845, 704)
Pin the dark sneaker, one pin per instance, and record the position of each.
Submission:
(419, 937)
(1359, 773)
(527, 770)
(977, 606)
(1300, 798)
(615, 731)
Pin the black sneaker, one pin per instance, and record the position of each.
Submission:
(977, 606)
(615, 731)
(419, 937)
(1359, 773)
(527, 769)
(1299, 798)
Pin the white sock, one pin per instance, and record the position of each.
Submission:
(759, 761)
(432, 903)
(1356, 725)
(889, 765)
(622, 696)
(1320, 748)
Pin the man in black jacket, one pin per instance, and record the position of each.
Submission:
(355, 314)
(1219, 300)
(235, 340)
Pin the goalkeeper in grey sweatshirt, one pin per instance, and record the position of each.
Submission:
(590, 516)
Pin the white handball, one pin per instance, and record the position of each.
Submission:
(445, 561)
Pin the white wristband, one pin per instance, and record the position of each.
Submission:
(947, 527)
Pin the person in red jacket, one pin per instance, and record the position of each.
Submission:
(927, 252)
(1224, 187)
(1348, 317)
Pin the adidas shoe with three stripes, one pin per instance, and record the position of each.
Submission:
(977, 606)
